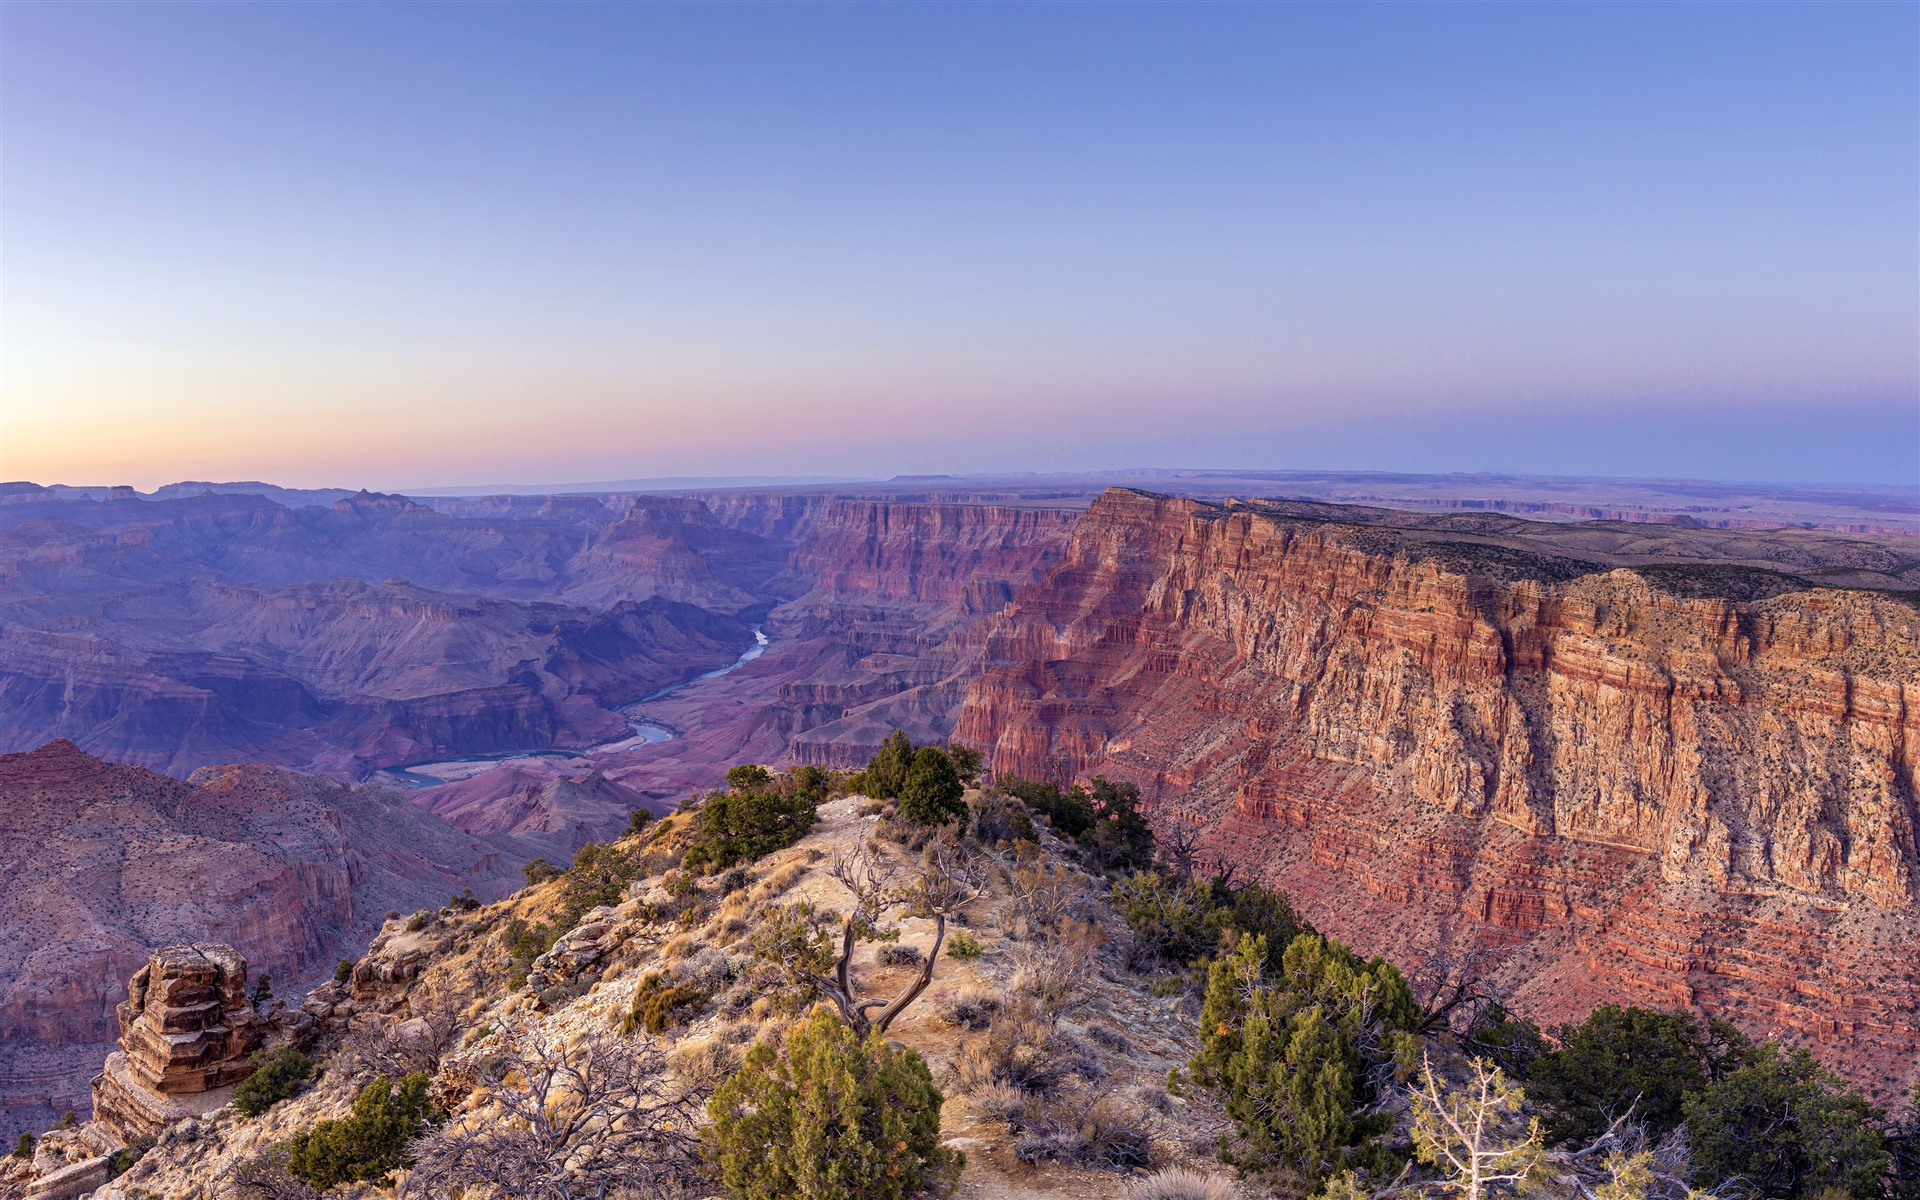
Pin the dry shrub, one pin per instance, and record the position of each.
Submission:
(1093, 1133)
(1077, 1058)
(679, 947)
(1108, 1038)
(898, 954)
(658, 862)
(738, 1033)
(703, 1064)
(1001, 1102)
(1022, 1049)
(903, 832)
(736, 1000)
(972, 1008)
(1053, 976)
(771, 1030)
(1045, 892)
(776, 881)
(1181, 1183)
(706, 969)
(1001, 819)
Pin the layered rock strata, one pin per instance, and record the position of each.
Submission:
(187, 1028)
(1685, 783)
(102, 862)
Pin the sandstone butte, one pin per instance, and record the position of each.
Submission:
(1666, 785)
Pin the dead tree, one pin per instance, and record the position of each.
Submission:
(418, 1043)
(263, 1176)
(1476, 1134)
(944, 882)
(563, 1122)
(1454, 993)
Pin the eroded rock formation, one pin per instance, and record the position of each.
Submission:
(186, 1031)
(102, 862)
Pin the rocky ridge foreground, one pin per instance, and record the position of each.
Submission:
(104, 862)
(1683, 784)
(440, 995)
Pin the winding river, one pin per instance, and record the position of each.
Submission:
(448, 770)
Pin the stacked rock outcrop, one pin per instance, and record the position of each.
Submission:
(186, 1031)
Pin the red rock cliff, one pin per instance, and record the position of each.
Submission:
(899, 589)
(1648, 789)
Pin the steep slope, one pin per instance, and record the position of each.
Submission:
(1686, 783)
(105, 862)
(1104, 1039)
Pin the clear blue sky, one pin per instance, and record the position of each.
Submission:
(379, 245)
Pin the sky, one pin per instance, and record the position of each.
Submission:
(352, 244)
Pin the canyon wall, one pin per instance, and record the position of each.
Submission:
(895, 592)
(1674, 783)
(873, 619)
(105, 862)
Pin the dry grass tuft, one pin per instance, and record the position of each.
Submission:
(1181, 1183)
(703, 1064)
(1093, 1133)
(1001, 1102)
(777, 880)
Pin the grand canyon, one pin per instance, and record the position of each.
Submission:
(1660, 757)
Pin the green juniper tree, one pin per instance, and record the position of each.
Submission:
(1787, 1128)
(1303, 1058)
(932, 793)
(828, 1117)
